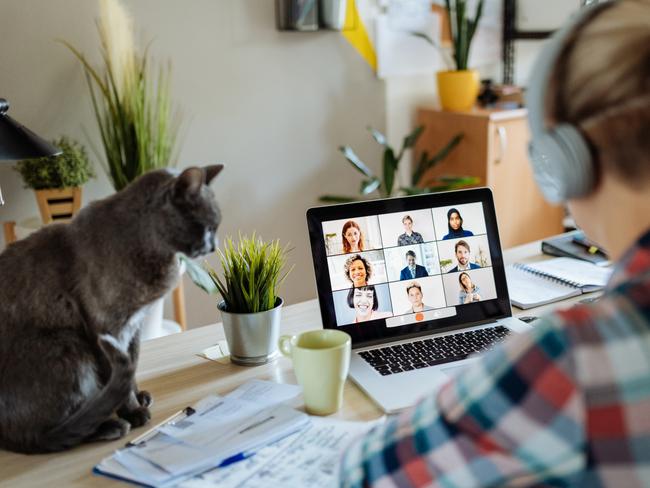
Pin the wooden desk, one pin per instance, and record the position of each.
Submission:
(171, 370)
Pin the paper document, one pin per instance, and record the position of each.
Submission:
(310, 458)
(247, 419)
(202, 450)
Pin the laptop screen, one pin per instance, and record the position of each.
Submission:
(401, 267)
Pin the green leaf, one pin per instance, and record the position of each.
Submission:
(412, 138)
(379, 137)
(355, 161)
(412, 190)
(425, 165)
(368, 186)
(420, 168)
(424, 36)
(336, 199)
(389, 167)
(199, 276)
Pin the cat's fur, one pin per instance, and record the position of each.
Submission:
(71, 302)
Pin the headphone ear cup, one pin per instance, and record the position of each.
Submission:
(579, 170)
(562, 163)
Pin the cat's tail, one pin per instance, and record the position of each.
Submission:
(85, 421)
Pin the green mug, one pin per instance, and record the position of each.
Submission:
(321, 360)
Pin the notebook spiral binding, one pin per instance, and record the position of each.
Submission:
(547, 276)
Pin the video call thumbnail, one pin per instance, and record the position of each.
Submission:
(407, 263)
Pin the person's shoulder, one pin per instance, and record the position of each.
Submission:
(446, 237)
(618, 315)
(467, 233)
(474, 266)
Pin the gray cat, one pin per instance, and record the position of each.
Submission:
(71, 303)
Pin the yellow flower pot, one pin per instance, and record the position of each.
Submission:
(458, 89)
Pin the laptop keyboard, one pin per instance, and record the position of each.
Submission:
(434, 351)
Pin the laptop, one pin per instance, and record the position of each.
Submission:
(419, 284)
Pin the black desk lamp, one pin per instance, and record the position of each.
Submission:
(18, 142)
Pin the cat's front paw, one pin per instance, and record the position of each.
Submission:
(136, 417)
(144, 398)
(110, 430)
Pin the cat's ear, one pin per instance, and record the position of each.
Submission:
(211, 172)
(188, 184)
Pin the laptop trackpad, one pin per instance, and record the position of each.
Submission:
(453, 371)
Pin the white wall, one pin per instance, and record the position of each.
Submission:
(273, 106)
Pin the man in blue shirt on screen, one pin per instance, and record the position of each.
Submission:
(462, 250)
(412, 270)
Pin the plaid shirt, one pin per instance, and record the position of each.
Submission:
(567, 404)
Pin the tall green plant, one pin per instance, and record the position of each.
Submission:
(131, 106)
(462, 31)
(252, 274)
(385, 184)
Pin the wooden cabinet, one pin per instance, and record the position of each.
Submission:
(495, 149)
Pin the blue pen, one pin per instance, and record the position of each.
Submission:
(235, 459)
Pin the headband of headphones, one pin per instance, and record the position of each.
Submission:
(560, 156)
(542, 72)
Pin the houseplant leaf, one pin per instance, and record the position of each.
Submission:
(336, 199)
(199, 276)
(379, 137)
(389, 166)
(355, 161)
(427, 163)
(368, 186)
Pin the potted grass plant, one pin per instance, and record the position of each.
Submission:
(253, 270)
(130, 100)
(57, 180)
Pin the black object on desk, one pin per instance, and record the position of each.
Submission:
(575, 245)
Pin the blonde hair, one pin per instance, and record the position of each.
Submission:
(601, 84)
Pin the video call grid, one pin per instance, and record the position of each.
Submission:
(406, 281)
(390, 293)
(439, 273)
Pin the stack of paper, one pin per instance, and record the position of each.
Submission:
(310, 457)
(221, 430)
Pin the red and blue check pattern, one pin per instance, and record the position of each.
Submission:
(567, 404)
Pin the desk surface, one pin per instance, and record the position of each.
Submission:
(170, 369)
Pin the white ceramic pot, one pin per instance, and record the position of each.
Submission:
(153, 324)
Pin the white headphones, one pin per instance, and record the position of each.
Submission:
(560, 156)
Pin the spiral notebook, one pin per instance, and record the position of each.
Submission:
(535, 284)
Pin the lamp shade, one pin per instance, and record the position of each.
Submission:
(18, 142)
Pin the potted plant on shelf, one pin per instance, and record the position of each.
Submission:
(250, 307)
(420, 181)
(57, 180)
(458, 86)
